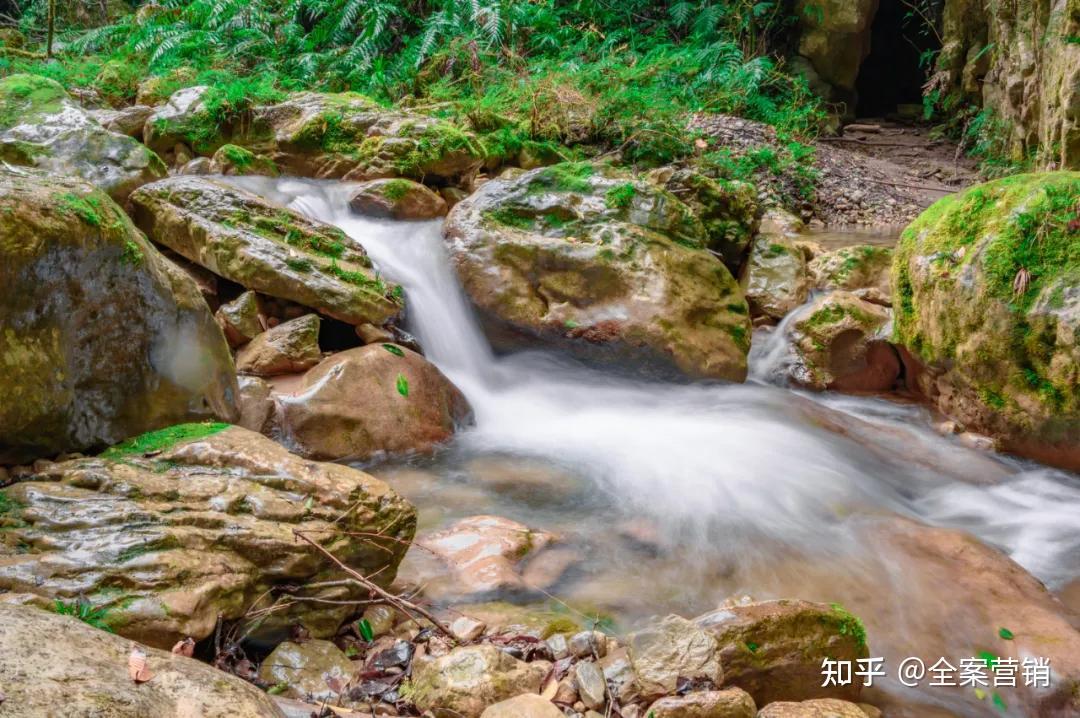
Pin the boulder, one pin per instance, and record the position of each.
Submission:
(817, 708)
(288, 348)
(397, 199)
(863, 266)
(266, 247)
(349, 136)
(835, 38)
(524, 706)
(774, 650)
(838, 344)
(729, 703)
(40, 126)
(673, 649)
(604, 265)
(102, 336)
(51, 660)
(235, 160)
(463, 683)
(372, 400)
(167, 533)
(126, 120)
(985, 289)
(241, 319)
(307, 670)
(481, 554)
(774, 278)
(728, 209)
(183, 119)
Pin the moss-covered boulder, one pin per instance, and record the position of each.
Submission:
(266, 247)
(838, 344)
(40, 126)
(986, 289)
(774, 650)
(863, 266)
(728, 209)
(397, 199)
(235, 160)
(184, 119)
(605, 265)
(100, 336)
(164, 533)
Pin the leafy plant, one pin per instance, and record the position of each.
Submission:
(86, 612)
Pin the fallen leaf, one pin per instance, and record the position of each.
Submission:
(137, 668)
(402, 385)
(1005, 633)
(185, 647)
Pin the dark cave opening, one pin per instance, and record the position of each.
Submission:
(893, 73)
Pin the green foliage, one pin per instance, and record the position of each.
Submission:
(402, 385)
(363, 627)
(620, 197)
(163, 439)
(395, 350)
(86, 612)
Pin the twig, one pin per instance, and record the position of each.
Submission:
(407, 607)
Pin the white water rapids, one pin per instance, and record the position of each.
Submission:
(749, 488)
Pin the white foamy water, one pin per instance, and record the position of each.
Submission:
(735, 482)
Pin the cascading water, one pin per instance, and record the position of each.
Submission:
(742, 489)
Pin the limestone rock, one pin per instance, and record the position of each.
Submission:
(102, 337)
(986, 288)
(774, 649)
(266, 248)
(397, 199)
(774, 279)
(241, 319)
(838, 344)
(51, 660)
(818, 708)
(602, 264)
(166, 532)
(671, 649)
(465, 682)
(288, 348)
(40, 126)
(729, 703)
(523, 706)
(372, 400)
(863, 266)
(306, 667)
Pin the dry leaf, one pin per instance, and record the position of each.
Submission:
(137, 667)
(185, 647)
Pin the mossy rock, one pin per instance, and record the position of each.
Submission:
(838, 344)
(235, 160)
(40, 126)
(100, 336)
(850, 268)
(986, 288)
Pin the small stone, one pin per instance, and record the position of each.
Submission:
(672, 649)
(307, 668)
(558, 646)
(286, 349)
(729, 703)
(380, 618)
(466, 629)
(566, 693)
(399, 199)
(371, 334)
(588, 643)
(591, 686)
(976, 441)
(817, 708)
(523, 706)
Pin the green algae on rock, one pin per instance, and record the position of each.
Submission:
(545, 258)
(985, 288)
(40, 126)
(171, 530)
(265, 247)
(100, 336)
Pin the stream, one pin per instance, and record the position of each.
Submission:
(679, 496)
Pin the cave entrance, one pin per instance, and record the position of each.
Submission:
(892, 75)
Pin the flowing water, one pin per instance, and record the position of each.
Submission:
(680, 496)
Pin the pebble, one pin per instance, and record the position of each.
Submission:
(592, 689)
(558, 646)
(588, 643)
(466, 629)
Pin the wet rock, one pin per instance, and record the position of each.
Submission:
(266, 248)
(482, 553)
(994, 315)
(774, 279)
(196, 522)
(671, 649)
(349, 136)
(183, 119)
(372, 400)
(241, 319)
(601, 264)
(126, 121)
(468, 680)
(466, 629)
(591, 687)
(728, 209)
(51, 661)
(838, 345)
(729, 703)
(235, 160)
(849, 268)
(545, 570)
(103, 337)
(397, 199)
(308, 669)
(288, 348)
(819, 708)
(524, 706)
(40, 126)
(256, 403)
(774, 649)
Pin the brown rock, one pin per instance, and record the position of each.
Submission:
(286, 349)
(465, 682)
(241, 319)
(307, 669)
(256, 403)
(730, 703)
(671, 649)
(397, 199)
(818, 708)
(524, 706)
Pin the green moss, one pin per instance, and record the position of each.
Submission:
(238, 156)
(24, 96)
(434, 144)
(511, 218)
(850, 625)
(163, 439)
(85, 208)
(299, 264)
(396, 189)
(566, 177)
(620, 197)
